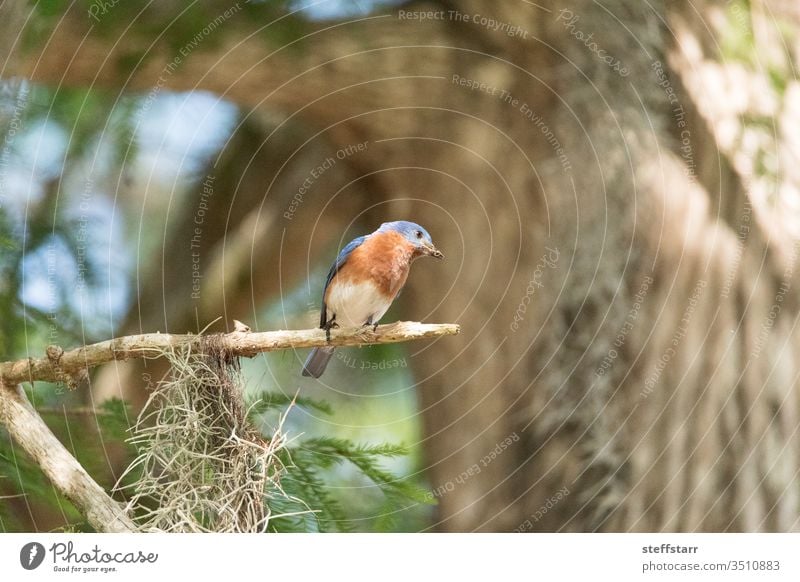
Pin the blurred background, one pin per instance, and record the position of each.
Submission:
(616, 188)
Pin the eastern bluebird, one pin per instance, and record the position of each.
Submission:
(364, 280)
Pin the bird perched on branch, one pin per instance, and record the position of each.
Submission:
(366, 277)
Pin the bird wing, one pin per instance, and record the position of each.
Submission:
(340, 260)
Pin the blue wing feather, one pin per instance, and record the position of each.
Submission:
(344, 254)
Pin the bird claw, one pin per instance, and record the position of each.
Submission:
(328, 326)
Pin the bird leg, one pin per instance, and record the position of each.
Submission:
(327, 327)
(374, 325)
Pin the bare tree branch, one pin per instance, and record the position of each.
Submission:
(71, 366)
(28, 429)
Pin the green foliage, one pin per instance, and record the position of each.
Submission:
(23, 485)
(115, 420)
(52, 231)
(9, 284)
(269, 401)
(310, 468)
(779, 80)
(737, 42)
(47, 15)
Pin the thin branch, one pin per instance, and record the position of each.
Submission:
(28, 429)
(72, 366)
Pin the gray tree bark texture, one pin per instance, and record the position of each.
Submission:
(618, 329)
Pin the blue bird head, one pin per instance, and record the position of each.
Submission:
(415, 234)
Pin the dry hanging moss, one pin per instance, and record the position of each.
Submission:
(203, 466)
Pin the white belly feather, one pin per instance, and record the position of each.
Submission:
(355, 303)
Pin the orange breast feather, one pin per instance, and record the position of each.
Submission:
(384, 258)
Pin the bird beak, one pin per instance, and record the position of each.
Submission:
(434, 252)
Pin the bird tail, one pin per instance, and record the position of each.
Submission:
(317, 361)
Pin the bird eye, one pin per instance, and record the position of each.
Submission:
(418, 233)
